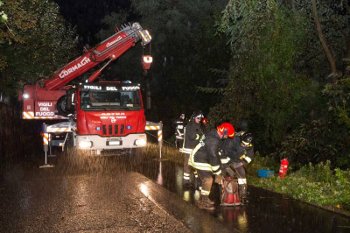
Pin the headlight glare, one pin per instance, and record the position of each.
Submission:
(140, 142)
(85, 144)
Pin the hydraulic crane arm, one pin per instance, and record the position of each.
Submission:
(109, 49)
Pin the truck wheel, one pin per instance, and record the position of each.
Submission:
(62, 106)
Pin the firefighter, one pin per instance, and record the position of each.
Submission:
(205, 159)
(205, 125)
(237, 153)
(193, 134)
(179, 131)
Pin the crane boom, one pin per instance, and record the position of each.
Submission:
(109, 49)
(46, 99)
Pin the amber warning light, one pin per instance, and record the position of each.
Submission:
(146, 62)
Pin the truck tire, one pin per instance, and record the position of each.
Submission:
(62, 106)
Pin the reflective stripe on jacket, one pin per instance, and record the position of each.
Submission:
(205, 155)
(193, 135)
(237, 151)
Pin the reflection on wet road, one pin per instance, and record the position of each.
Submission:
(265, 212)
(92, 196)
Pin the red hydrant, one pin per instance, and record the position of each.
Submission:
(283, 168)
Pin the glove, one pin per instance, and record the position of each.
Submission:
(218, 179)
(245, 159)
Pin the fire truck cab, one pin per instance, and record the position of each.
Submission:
(109, 116)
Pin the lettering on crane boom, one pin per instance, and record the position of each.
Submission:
(77, 66)
(114, 41)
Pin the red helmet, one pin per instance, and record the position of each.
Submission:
(204, 121)
(226, 129)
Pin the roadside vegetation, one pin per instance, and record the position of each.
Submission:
(315, 184)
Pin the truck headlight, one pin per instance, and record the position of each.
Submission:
(114, 143)
(140, 142)
(85, 144)
(25, 96)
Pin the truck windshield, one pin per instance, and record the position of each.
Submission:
(113, 100)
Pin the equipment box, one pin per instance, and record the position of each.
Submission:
(265, 173)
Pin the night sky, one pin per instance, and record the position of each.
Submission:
(86, 15)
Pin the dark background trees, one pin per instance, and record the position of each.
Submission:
(280, 66)
(286, 68)
(34, 42)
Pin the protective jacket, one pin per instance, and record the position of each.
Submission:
(237, 151)
(205, 155)
(193, 134)
(179, 128)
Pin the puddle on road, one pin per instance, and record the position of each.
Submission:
(265, 212)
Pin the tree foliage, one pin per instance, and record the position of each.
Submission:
(278, 69)
(263, 86)
(327, 136)
(3, 15)
(34, 42)
(332, 17)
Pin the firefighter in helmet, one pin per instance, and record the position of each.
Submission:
(179, 131)
(236, 154)
(205, 159)
(193, 134)
(205, 125)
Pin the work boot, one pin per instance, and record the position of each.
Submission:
(205, 203)
(242, 190)
(197, 183)
(207, 199)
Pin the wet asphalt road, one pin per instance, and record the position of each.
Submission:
(266, 212)
(85, 195)
(96, 198)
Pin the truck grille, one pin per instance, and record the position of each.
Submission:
(113, 130)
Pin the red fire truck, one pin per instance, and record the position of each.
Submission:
(102, 115)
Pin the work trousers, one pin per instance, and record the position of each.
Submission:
(187, 168)
(206, 178)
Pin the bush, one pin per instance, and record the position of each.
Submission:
(317, 184)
